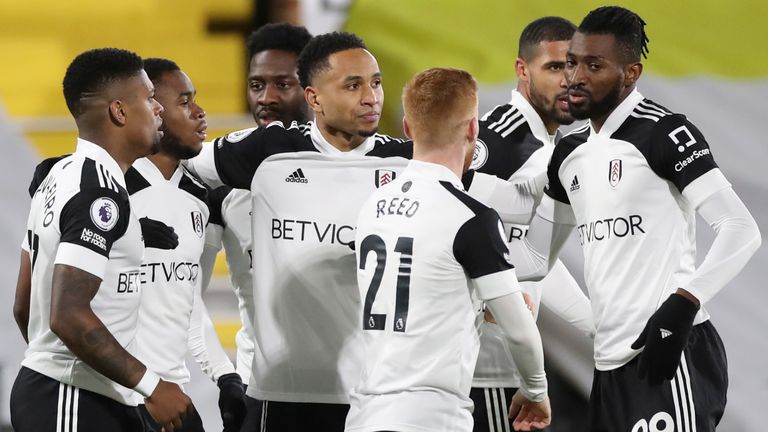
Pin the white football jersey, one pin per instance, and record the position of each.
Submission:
(306, 197)
(422, 246)
(633, 188)
(171, 279)
(80, 216)
(514, 144)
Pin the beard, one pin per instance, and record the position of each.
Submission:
(171, 145)
(367, 133)
(547, 108)
(597, 108)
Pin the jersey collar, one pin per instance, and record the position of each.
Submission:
(532, 117)
(97, 153)
(327, 148)
(152, 173)
(619, 114)
(431, 171)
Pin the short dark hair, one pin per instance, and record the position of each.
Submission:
(95, 69)
(314, 56)
(546, 29)
(626, 26)
(156, 67)
(278, 36)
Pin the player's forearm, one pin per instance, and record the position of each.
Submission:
(562, 295)
(736, 240)
(74, 322)
(514, 318)
(23, 292)
(204, 345)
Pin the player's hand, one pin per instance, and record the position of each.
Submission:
(231, 401)
(168, 405)
(529, 415)
(664, 337)
(157, 234)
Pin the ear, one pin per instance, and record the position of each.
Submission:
(407, 129)
(521, 69)
(473, 130)
(632, 74)
(312, 98)
(117, 112)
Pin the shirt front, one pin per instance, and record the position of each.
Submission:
(422, 242)
(633, 188)
(80, 216)
(170, 278)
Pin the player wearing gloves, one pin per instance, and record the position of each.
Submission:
(631, 182)
(173, 319)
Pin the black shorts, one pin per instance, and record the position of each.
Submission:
(491, 412)
(693, 401)
(42, 404)
(192, 423)
(272, 416)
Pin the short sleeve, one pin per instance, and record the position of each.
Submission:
(479, 245)
(678, 151)
(90, 223)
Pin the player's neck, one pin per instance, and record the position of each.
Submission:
(166, 164)
(343, 141)
(551, 125)
(453, 160)
(598, 122)
(113, 146)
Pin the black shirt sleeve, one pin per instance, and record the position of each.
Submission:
(215, 204)
(554, 188)
(479, 245)
(41, 172)
(239, 154)
(95, 218)
(679, 152)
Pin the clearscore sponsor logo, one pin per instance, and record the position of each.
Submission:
(687, 161)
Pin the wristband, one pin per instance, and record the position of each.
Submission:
(147, 385)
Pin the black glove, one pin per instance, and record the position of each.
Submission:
(157, 234)
(664, 338)
(231, 401)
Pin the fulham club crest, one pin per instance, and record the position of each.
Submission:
(197, 223)
(384, 176)
(614, 172)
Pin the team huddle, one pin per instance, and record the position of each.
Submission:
(383, 283)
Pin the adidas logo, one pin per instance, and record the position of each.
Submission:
(665, 333)
(297, 177)
(575, 184)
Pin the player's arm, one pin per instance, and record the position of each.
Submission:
(481, 249)
(683, 157)
(561, 294)
(515, 203)
(79, 266)
(205, 347)
(232, 160)
(23, 292)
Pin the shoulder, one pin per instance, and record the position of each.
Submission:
(192, 186)
(570, 142)
(463, 199)
(388, 146)
(642, 121)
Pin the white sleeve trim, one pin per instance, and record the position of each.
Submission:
(705, 186)
(204, 166)
(82, 258)
(496, 284)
